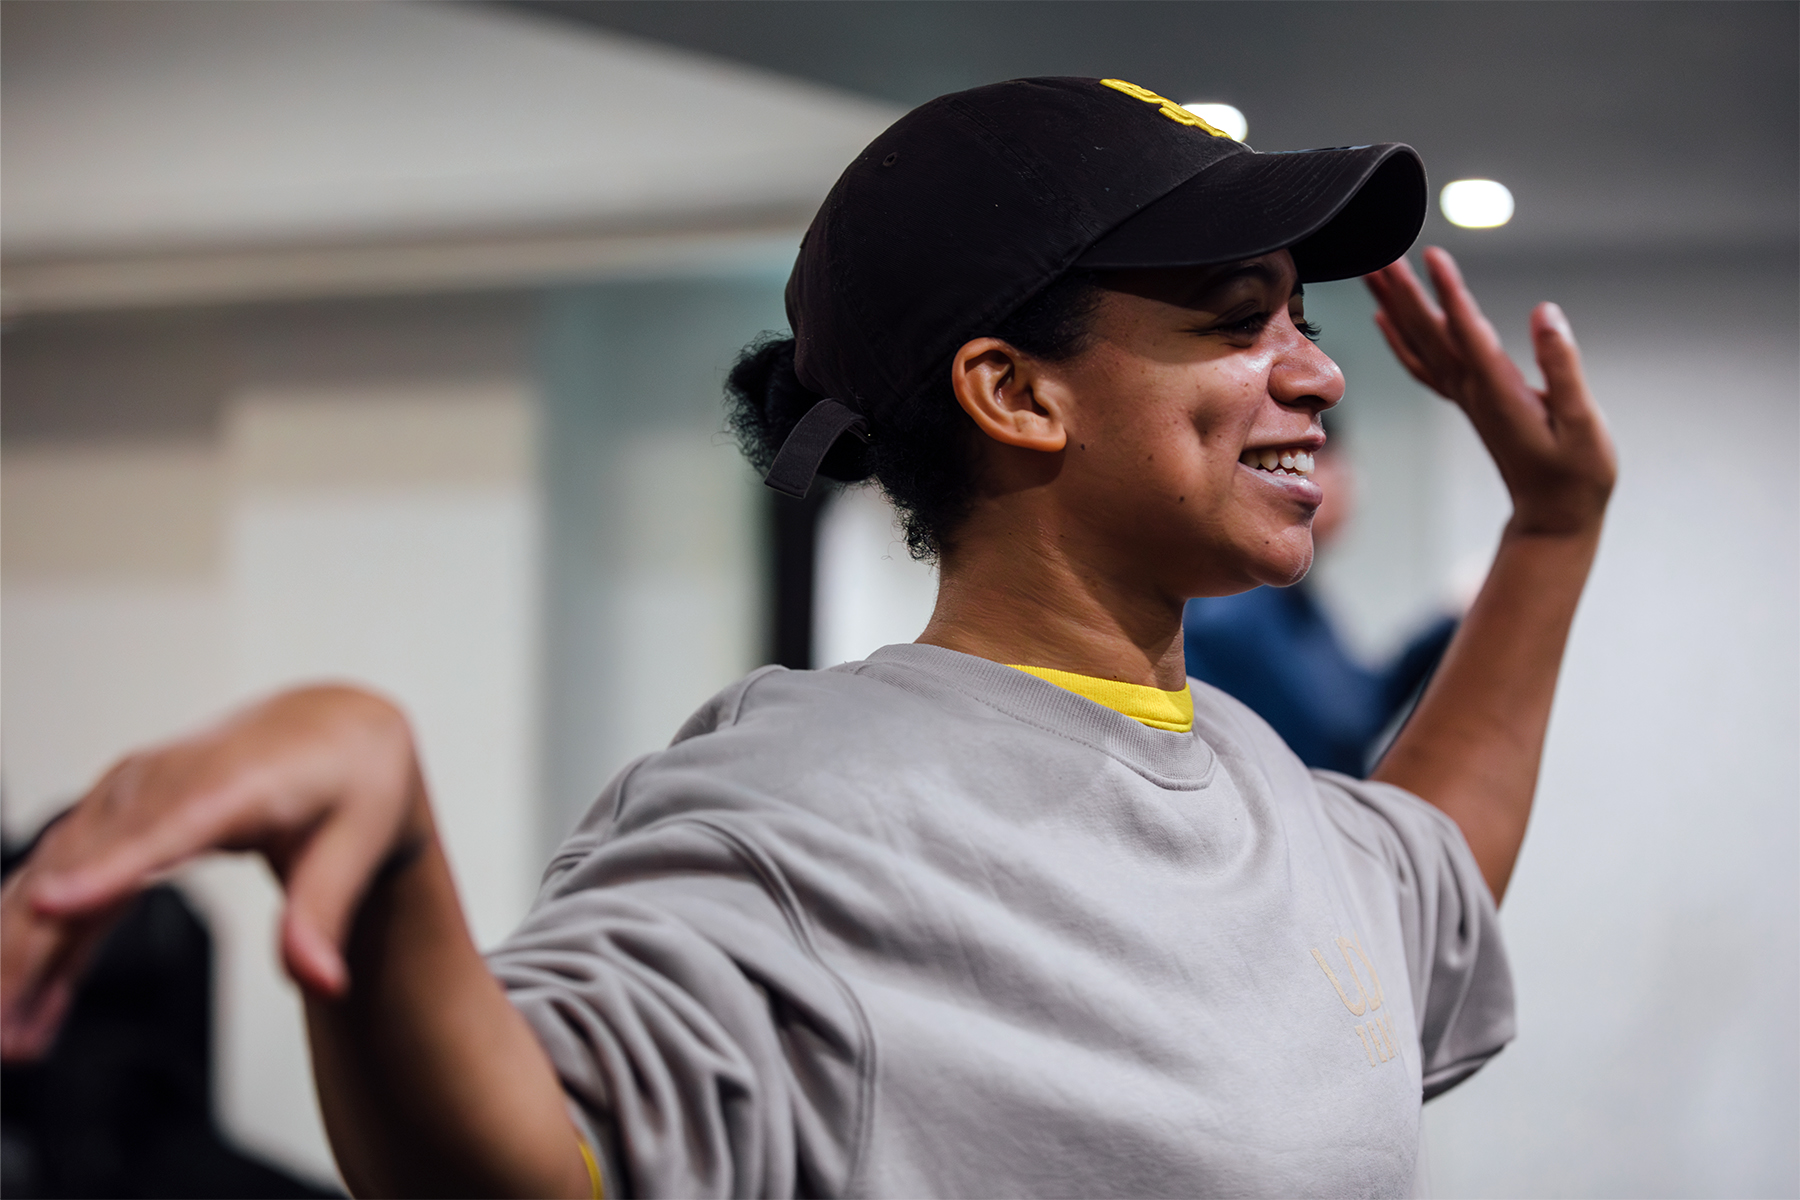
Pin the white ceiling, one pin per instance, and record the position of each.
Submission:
(1623, 127)
(152, 127)
(171, 151)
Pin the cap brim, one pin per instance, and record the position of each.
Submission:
(1343, 212)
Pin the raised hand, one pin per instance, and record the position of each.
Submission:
(1474, 742)
(1550, 444)
(323, 782)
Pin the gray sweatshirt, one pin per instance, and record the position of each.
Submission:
(926, 925)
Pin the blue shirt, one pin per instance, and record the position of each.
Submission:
(1275, 649)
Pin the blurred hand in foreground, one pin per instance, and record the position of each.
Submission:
(322, 781)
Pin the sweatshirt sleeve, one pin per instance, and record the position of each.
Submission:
(1456, 962)
(702, 1044)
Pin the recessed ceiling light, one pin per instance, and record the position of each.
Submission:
(1222, 117)
(1476, 203)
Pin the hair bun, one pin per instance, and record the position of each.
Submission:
(764, 400)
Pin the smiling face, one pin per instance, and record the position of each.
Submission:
(1191, 418)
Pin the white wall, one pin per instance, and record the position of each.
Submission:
(869, 591)
(338, 508)
(388, 535)
(114, 601)
(654, 581)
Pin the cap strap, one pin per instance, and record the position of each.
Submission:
(811, 440)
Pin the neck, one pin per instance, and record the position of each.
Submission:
(1025, 594)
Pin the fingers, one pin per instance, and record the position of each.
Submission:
(41, 960)
(1431, 353)
(1463, 318)
(1449, 342)
(325, 882)
(1401, 293)
(1566, 392)
(1577, 424)
(1551, 447)
(318, 780)
(1503, 386)
(314, 961)
(135, 857)
(1414, 366)
(1454, 350)
(28, 1026)
(52, 920)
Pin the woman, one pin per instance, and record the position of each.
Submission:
(1012, 909)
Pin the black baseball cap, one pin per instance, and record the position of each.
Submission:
(972, 203)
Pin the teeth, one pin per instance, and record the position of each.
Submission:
(1282, 462)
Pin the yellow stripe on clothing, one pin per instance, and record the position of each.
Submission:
(595, 1187)
(1173, 711)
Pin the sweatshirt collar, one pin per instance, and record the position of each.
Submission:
(1176, 760)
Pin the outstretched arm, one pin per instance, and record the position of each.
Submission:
(430, 1081)
(1474, 743)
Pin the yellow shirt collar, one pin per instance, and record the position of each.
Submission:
(1173, 711)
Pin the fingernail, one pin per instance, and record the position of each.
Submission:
(1558, 320)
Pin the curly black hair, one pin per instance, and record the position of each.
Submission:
(921, 451)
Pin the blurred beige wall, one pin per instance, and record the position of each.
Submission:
(358, 521)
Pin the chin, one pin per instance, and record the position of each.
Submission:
(1285, 570)
(1233, 567)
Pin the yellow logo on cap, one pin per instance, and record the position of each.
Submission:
(1168, 107)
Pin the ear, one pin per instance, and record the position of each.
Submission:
(999, 388)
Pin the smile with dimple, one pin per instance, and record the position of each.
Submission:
(1288, 461)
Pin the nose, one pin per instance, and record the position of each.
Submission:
(1304, 376)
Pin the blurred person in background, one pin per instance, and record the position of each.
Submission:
(1012, 909)
(1277, 650)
